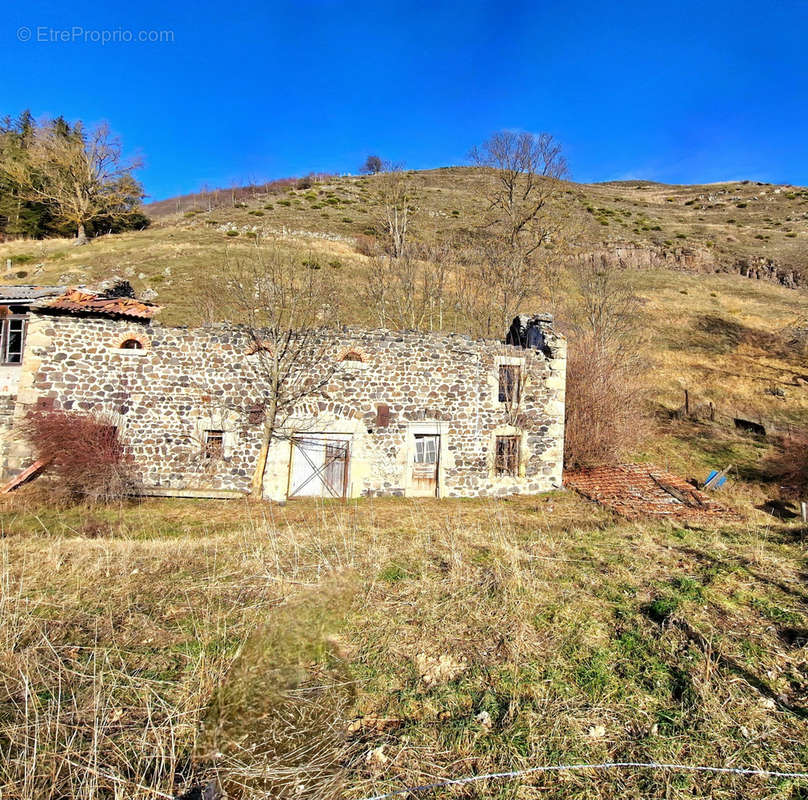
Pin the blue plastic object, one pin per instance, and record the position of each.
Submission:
(718, 484)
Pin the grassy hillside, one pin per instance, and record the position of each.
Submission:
(709, 227)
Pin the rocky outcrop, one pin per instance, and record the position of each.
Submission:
(765, 269)
(629, 255)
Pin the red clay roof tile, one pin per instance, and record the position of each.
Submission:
(76, 301)
(636, 491)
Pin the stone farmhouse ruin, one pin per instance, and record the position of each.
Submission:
(402, 413)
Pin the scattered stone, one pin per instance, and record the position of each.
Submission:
(484, 718)
(437, 670)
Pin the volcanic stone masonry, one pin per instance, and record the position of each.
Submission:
(404, 413)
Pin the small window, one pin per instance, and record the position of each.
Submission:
(426, 449)
(214, 444)
(506, 461)
(509, 377)
(12, 338)
(352, 356)
(131, 344)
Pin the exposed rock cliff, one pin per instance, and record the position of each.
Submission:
(629, 255)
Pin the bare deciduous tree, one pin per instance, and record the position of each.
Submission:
(605, 415)
(409, 292)
(395, 196)
(284, 308)
(527, 170)
(525, 173)
(605, 308)
(81, 174)
(372, 166)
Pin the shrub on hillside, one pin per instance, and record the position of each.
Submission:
(86, 458)
(789, 466)
(604, 414)
(366, 245)
(605, 410)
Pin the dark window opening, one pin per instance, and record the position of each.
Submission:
(131, 344)
(214, 444)
(352, 356)
(506, 461)
(509, 375)
(12, 339)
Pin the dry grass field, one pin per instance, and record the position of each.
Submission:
(322, 650)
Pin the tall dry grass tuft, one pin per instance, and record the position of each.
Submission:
(113, 649)
(82, 715)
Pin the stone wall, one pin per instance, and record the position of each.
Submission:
(187, 380)
(6, 417)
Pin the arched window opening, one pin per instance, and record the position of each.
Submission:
(352, 356)
(131, 344)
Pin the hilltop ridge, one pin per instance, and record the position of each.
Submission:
(750, 228)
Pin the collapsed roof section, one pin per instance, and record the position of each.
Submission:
(114, 298)
(117, 301)
(531, 332)
(639, 491)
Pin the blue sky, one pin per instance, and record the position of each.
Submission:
(678, 92)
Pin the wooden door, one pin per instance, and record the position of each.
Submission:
(425, 465)
(336, 464)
